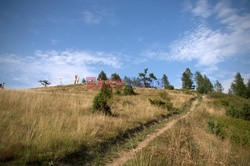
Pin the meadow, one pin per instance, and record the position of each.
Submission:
(54, 122)
(208, 136)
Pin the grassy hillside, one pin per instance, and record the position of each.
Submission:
(52, 123)
(209, 136)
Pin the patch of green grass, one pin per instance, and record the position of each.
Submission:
(235, 106)
(161, 103)
(237, 130)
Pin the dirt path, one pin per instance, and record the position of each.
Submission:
(125, 156)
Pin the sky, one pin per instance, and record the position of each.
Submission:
(57, 39)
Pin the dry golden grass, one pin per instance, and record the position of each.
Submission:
(50, 122)
(190, 143)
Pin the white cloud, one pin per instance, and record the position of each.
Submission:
(53, 65)
(98, 16)
(200, 8)
(91, 18)
(208, 46)
(54, 41)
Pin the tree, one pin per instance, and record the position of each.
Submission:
(44, 82)
(207, 84)
(102, 76)
(199, 82)
(186, 79)
(218, 87)
(248, 88)
(204, 85)
(115, 76)
(166, 83)
(144, 77)
(238, 87)
(83, 81)
(100, 102)
(165, 80)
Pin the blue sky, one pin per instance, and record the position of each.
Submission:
(53, 39)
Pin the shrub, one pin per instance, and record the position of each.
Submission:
(100, 102)
(118, 92)
(164, 95)
(128, 90)
(237, 130)
(170, 87)
(242, 112)
(161, 103)
(215, 128)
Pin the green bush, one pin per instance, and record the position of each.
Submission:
(118, 92)
(161, 103)
(242, 111)
(128, 90)
(164, 95)
(100, 102)
(237, 130)
(215, 128)
(170, 87)
(236, 107)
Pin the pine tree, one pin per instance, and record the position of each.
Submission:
(199, 82)
(204, 85)
(207, 84)
(115, 76)
(144, 77)
(238, 87)
(187, 82)
(165, 81)
(218, 87)
(102, 76)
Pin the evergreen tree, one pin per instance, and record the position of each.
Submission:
(115, 76)
(238, 87)
(152, 76)
(186, 79)
(199, 82)
(102, 76)
(218, 87)
(207, 84)
(203, 84)
(165, 80)
(248, 88)
(83, 81)
(144, 77)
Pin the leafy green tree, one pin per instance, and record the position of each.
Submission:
(238, 87)
(102, 76)
(115, 76)
(186, 79)
(144, 77)
(218, 87)
(248, 88)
